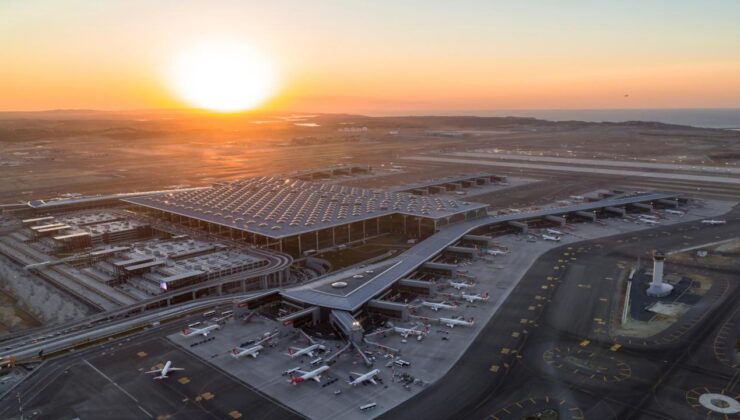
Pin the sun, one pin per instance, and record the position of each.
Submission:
(223, 76)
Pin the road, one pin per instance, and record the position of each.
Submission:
(549, 346)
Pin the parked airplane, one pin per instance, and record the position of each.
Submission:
(476, 297)
(451, 322)
(649, 221)
(167, 368)
(436, 306)
(676, 212)
(714, 222)
(253, 351)
(495, 252)
(460, 285)
(648, 216)
(192, 331)
(303, 375)
(363, 377)
(554, 232)
(406, 332)
(294, 352)
(551, 238)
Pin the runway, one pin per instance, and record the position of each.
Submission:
(579, 169)
(549, 347)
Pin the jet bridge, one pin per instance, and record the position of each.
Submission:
(389, 309)
(309, 316)
(347, 324)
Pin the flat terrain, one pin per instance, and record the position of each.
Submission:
(49, 154)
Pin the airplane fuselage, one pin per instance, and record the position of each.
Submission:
(314, 374)
(437, 306)
(365, 377)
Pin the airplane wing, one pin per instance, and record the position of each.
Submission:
(269, 337)
(308, 337)
(172, 369)
(373, 381)
(317, 378)
(154, 371)
(300, 372)
(356, 374)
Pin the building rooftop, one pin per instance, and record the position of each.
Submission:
(446, 180)
(280, 207)
(388, 272)
(88, 218)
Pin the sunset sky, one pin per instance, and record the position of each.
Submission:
(377, 56)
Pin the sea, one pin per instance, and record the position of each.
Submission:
(725, 118)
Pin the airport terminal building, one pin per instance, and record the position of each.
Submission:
(302, 217)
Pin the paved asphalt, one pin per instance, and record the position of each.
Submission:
(549, 346)
(110, 383)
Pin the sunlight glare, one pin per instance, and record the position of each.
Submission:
(223, 76)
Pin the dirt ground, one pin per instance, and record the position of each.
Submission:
(13, 318)
(45, 155)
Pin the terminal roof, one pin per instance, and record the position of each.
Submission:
(397, 268)
(281, 207)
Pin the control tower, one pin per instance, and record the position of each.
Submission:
(657, 287)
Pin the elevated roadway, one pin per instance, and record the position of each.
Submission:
(69, 337)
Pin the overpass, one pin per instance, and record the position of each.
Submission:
(91, 330)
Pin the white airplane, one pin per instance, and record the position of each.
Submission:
(460, 285)
(676, 212)
(495, 252)
(192, 331)
(294, 352)
(238, 352)
(253, 351)
(406, 332)
(551, 238)
(648, 216)
(167, 368)
(649, 221)
(476, 297)
(370, 377)
(304, 376)
(714, 222)
(451, 322)
(436, 306)
(554, 232)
